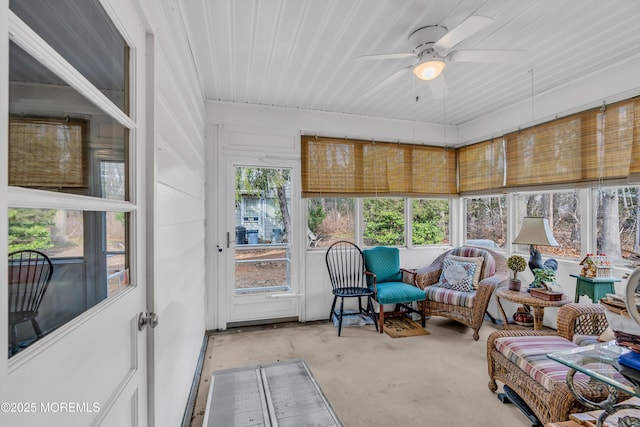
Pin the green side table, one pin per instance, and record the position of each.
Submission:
(594, 287)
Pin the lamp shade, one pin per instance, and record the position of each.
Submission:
(429, 69)
(535, 231)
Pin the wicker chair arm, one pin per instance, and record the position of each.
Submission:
(494, 280)
(411, 275)
(427, 276)
(485, 287)
(584, 319)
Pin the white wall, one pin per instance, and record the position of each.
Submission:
(179, 218)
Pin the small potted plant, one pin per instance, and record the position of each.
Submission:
(516, 263)
(543, 278)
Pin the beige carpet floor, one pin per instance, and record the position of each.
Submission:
(372, 379)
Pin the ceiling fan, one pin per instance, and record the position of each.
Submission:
(432, 49)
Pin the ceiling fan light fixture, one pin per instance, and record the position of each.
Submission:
(429, 69)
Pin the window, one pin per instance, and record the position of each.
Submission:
(330, 220)
(383, 222)
(429, 222)
(87, 39)
(486, 221)
(61, 141)
(617, 223)
(50, 150)
(562, 209)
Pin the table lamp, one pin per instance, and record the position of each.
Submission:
(535, 232)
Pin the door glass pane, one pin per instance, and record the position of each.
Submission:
(263, 223)
(54, 131)
(82, 33)
(112, 180)
(87, 268)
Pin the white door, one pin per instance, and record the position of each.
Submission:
(89, 367)
(261, 260)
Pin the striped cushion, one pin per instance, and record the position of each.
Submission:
(489, 266)
(529, 353)
(449, 296)
(582, 340)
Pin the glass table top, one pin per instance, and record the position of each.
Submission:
(600, 361)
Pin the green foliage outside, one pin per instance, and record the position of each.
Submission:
(317, 214)
(384, 222)
(120, 217)
(429, 221)
(30, 229)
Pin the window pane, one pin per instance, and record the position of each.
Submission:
(85, 270)
(383, 222)
(430, 222)
(330, 220)
(56, 136)
(113, 180)
(82, 33)
(486, 221)
(617, 222)
(562, 209)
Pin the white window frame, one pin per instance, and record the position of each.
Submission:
(17, 197)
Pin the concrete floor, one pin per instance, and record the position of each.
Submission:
(374, 380)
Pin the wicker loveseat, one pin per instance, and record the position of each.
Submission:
(465, 307)
(517, 358)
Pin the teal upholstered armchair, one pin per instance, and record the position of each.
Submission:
(389, 283)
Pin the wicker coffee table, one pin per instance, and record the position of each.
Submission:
(524, 298)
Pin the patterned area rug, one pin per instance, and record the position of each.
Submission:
(402, 326)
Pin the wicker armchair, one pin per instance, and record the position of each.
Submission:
(555, 404)
(464, 307)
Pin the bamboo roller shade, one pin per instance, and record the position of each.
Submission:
(47, 153)
(594, 145)
(344, 167)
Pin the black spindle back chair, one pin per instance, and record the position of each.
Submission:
(29, 276)
(345, 262)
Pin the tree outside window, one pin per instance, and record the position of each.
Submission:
(486, 221)
(383, 222)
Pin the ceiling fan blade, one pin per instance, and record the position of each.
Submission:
(467, 28)
(498, 56)
(372, 90)
(385, 56)
(438, 87)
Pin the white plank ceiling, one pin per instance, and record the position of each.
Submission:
(301, 53)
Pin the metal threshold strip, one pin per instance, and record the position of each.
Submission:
(278, 394)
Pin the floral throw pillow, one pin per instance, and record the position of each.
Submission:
(478, 261)
(457, 275)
